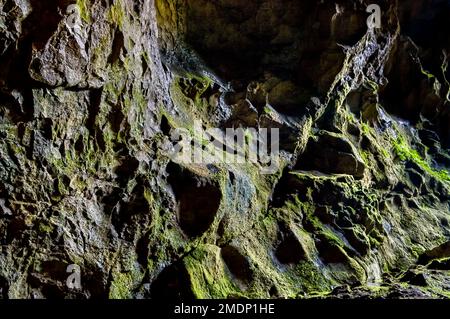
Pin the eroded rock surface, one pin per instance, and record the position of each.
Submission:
(92, 91)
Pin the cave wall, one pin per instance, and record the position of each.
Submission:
(89, 98)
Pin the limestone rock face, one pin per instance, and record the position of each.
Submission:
(93, 94)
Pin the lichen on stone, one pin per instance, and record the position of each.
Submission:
(358, 205)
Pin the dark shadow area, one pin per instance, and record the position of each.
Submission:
(245, 39)
(331, 154)
(237, 264)
(289, 250)
(410, 93)
(198, 200)
(172, 283)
